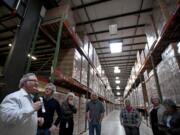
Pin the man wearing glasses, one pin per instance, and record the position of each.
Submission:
(18, 112)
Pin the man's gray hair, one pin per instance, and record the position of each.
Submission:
(155, 97)
(25, 78)
(94, 93)
(51, 86)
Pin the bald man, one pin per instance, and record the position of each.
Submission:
(95, 113)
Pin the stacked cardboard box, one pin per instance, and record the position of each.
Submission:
(172, 4)
(95, 84)
(64, 10)
(69, 63)
(169, 74)
(159, 19)
(151, 86)
(146, 50)
(91, 52)
(151, 33)
(146, 75)
(140, 96)
(138, 58)
(86, 45)
(84, 71)
(91, 78)
(82, 115)
(76, 117)
(142, 57)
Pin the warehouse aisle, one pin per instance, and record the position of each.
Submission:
(111, 126)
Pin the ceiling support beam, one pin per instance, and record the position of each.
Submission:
(115, 16)
(6, 38)
(125, 62)
(124, 45)
(121, 28)
(122, 51)
(8, 29)
(129, 55)
(89, 4)
(120, 38)
(117, 60)
(105, 66)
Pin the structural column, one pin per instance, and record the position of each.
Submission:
(17, 58)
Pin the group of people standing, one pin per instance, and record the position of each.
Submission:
(22, 114)
(164, 118)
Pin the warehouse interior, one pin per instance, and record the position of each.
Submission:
(120, 49)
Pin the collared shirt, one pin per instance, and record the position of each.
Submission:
(130, 118)
(95, 109)
(17, 116)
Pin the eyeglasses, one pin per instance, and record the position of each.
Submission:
(33, 80)
(49, 89)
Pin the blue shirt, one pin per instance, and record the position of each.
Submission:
(95, 109)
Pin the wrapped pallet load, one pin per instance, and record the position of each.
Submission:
(91, 52)
(151, 34)
(84, 71)
(91, 78)
(82, 115)
(140, 95)
(158, 17)
(76, 116)
(151, 86)
(169, 73)
(69, 63)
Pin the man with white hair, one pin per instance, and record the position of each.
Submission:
(18, 112)
(51, 105)
(94, 113)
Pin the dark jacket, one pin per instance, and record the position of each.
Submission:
(51, 106)
(174, 128)
(67, 112)
(175, 124)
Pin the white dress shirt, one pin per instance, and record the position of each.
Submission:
(17, 116)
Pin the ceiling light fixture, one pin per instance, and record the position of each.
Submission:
(32, 57)
(113, 29)
(118, 93)
(117, 70)
(9, 44)
(117, 88)
(178, 47)
(117, 78)
(117, 81)
(116, 47)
